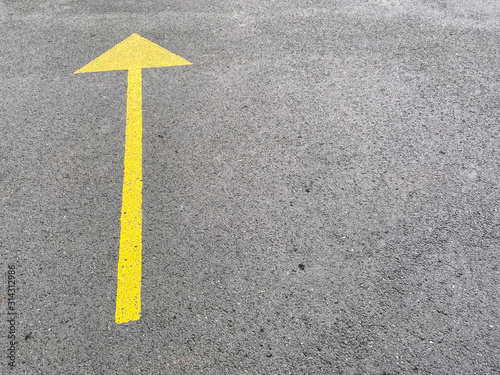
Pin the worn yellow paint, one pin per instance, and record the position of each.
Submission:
(132, 54)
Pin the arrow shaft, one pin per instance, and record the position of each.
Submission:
(128, 297)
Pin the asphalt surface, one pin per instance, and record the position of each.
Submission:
(320, 187)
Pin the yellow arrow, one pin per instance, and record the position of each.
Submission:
(132, 54)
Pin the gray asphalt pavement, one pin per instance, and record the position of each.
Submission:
(321, 187)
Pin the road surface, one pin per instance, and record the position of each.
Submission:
(320, 188)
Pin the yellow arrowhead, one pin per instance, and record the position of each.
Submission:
(135, 52)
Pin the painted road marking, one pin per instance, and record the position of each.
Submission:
(132, 54)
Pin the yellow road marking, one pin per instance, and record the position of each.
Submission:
(132, 54)
(128, 298)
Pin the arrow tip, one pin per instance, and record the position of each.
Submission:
(135, 52)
